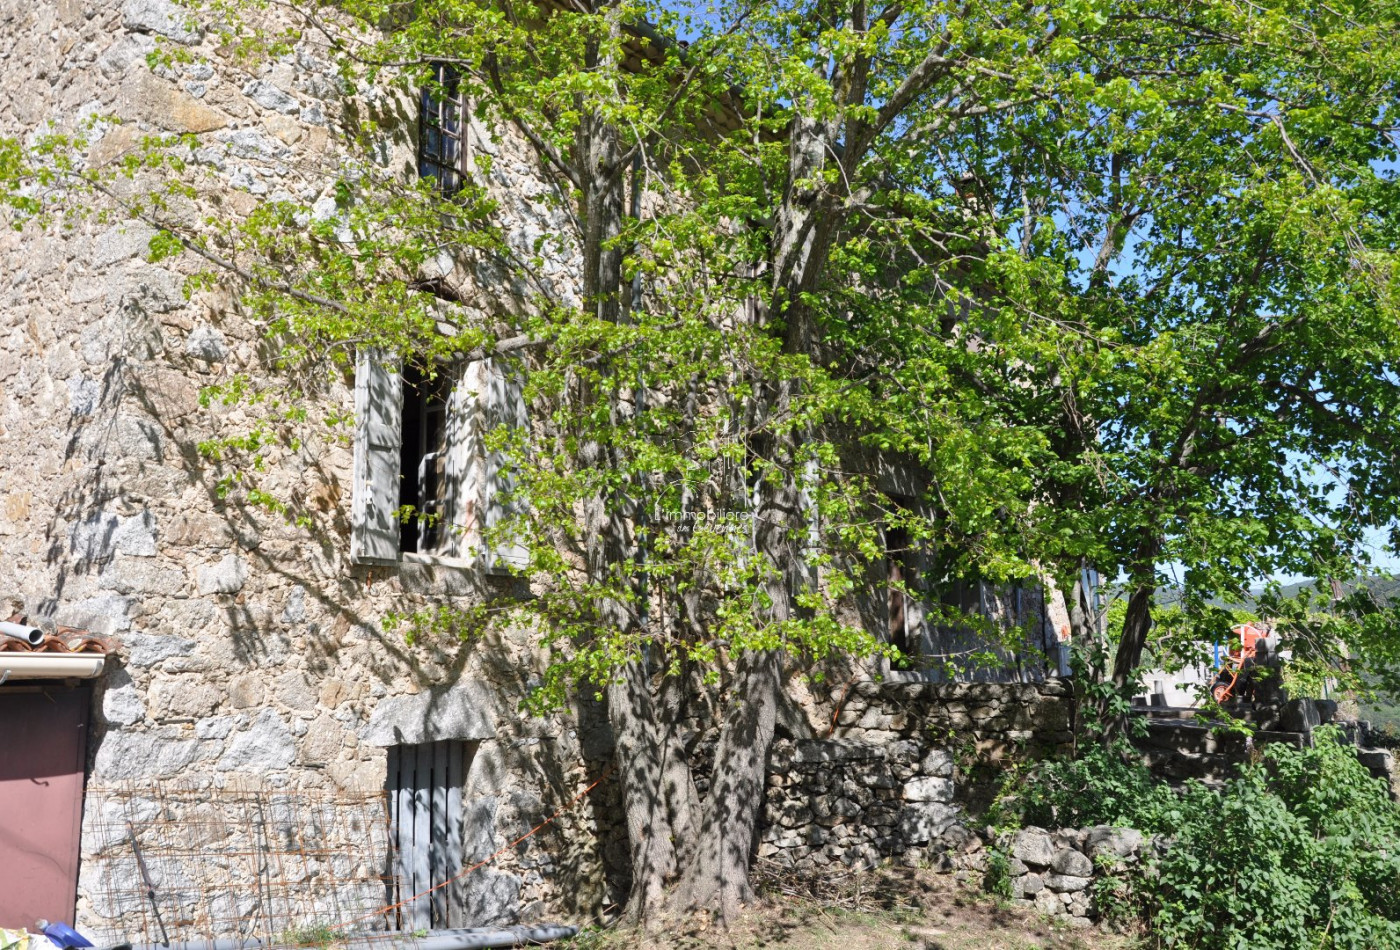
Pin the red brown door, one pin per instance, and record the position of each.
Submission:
(43, 749)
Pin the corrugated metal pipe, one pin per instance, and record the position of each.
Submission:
(476, 938)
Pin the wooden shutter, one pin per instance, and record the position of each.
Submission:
(425, 790)
(374, 525)
(504, 405)
(461, 477)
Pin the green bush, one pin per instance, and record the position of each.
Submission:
(1301, 850)
(1106, 785)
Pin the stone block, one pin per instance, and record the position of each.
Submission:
(922, 822)
(102, 534)
(1071, 862)
(1299, 715)
(149, 754)
(266, 746)
(1027, 885)
(149, 98)
(1066, 883)
(120, 242)
(1380, 762)
(270, 97)
(161, 16)
(207, 344)
(937, 762)
(146, 650)
(226, 577)
(829, 751)
(143, 578)
(1114, 842)
(929, 788)
(183, 697)
(1034, 847)
(295, 609)
(104, 613)
(461, 711)
(126, 52)
(121, 703)
(324, 740)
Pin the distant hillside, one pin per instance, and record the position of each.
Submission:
(1384, 587)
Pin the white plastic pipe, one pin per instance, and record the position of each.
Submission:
(484, 938)
(22, 631)
(50, 666)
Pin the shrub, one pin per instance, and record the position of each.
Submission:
(1106, 785)
(1301, 850)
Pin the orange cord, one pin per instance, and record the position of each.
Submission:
(502, 850)
(840, 704)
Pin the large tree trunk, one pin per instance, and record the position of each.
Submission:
(717, 875)
(642, 746)
(642, 772)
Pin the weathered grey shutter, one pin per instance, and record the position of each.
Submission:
(809, 482)
(504, 405)
(374, 525)
(462, 466)
(425, 782)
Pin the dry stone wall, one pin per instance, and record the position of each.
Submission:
(902, 764)
(1056, 872)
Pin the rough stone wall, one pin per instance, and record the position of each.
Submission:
(903, 761)
(1057, 872)
(252, 647)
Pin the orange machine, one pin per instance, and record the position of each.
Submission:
(1243, 651)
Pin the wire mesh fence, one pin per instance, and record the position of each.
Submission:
(167, 863)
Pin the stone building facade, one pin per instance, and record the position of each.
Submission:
(253, 663)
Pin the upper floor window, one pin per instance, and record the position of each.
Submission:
(426, 482)
(443, 145)
(945, 624)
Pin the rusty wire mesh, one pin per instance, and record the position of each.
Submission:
(275, 865)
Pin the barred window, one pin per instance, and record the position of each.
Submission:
(442, 133)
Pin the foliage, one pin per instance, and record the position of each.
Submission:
(1302, 850)
(1107, 784)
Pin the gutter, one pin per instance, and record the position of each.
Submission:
(50, 666)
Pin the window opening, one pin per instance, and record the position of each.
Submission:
(442, 137)
(423, 482)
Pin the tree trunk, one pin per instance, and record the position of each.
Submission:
(642, 772)
(1136, 626)
(717, 876)
(640, 744)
